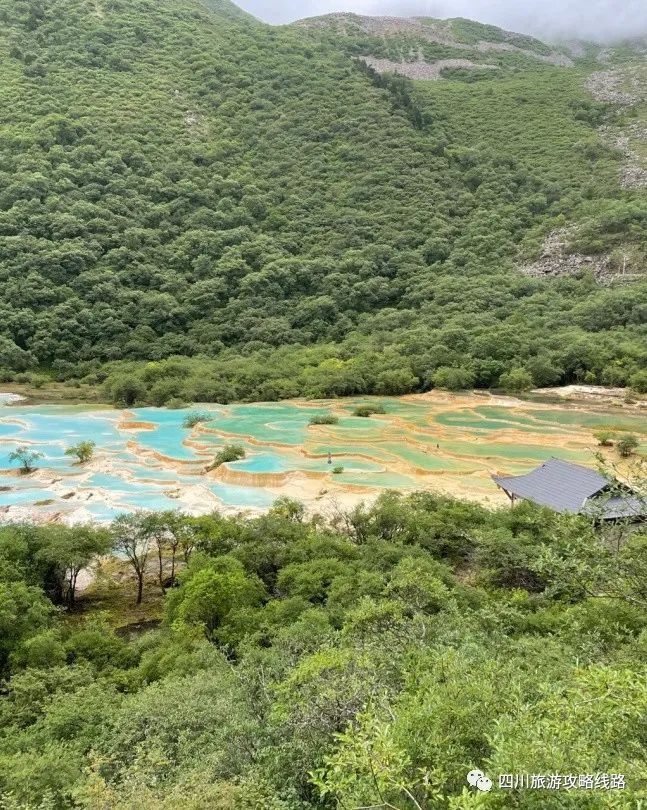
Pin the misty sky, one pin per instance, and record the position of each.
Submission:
(588, 19)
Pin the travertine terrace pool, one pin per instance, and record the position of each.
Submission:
(146, 459)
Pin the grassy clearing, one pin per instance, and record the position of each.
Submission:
(113, 593)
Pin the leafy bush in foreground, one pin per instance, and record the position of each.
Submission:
(356, 661)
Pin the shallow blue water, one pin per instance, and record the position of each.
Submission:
(169, 435)
(25, 496)
(135, 481)
(263, 463)
(251, 497)
(103, 513)
(7, 429)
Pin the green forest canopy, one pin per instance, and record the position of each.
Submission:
(302, 665)
(181, 181)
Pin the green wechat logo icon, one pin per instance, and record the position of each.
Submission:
(477, 779)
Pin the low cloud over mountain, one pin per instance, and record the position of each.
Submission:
(602, 20)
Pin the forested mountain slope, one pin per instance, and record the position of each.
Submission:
(178, 179)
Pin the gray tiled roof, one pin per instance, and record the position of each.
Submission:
(562, 486)
(615, 508)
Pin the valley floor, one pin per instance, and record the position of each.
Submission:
(449, 443)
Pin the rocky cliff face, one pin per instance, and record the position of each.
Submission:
(447, 33)
(625, 87)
